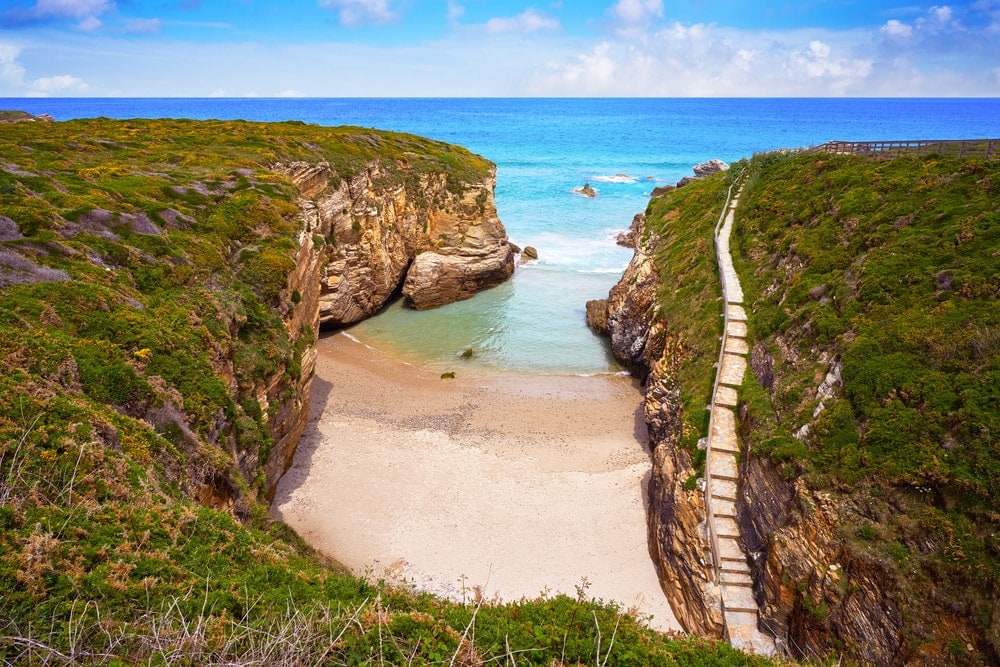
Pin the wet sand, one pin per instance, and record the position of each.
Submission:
(518, 485)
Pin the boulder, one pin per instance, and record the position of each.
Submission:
(529, 252)
(435, 279)
(586, 191)
(711, 167)
(597, 316)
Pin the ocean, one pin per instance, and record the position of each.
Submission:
(544, 148)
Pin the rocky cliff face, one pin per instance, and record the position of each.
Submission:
(434, 244)
(643, 343)
(627, 316)
(818, 591)
(358, 243)
(819, 594)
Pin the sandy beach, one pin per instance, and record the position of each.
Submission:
(519, 485)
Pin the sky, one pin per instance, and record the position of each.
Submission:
(499, 48)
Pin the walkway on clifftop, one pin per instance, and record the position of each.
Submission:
(732, 573)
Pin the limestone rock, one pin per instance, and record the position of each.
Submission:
(628, 238)
(374, 236)
(702, 170)
(679, 547)
(597, 315)
(529, 252)
(435, 279)
(586, 191)
(661, 190)
(630, 308)
(711, 167)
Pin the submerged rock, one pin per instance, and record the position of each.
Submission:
(586, 191)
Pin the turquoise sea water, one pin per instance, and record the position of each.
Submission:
(543, 149)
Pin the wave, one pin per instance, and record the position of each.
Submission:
(355, 339)
(602, 270)
(617, 178)
(598, 374)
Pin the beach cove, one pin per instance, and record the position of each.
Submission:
(503, 485)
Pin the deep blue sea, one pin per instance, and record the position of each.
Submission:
(544, 148)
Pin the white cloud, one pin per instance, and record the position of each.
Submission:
(359, 12)
(84, 11)
(896, 30)
(58, 85)
(71, 9)
(142, 25)
(11, 71)
(586, 73)
(291, 93)
(941, 14)
(89, 24)
(455, 11)
(527, 21)
(634, 12)
(815, 63)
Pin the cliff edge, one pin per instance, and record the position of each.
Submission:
(864, 479)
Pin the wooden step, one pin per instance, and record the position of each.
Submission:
(742, 610)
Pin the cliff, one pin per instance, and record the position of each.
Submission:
(435, 242)
(161, 284)
(864, 483)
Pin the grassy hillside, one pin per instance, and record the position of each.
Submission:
(891, 271)
(142, 280)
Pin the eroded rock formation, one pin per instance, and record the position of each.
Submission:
(437, 245)
(359, 242)
(817, 594)
(676, 514)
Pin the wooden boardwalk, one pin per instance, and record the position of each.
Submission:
(886, 150)
(732, 573)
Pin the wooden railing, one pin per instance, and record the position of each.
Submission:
(886, 150)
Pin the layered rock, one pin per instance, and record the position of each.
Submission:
(676, 516)
(630, 312)
(702, 170)
(818, 595)
(290, 396)
(359, 240)
(678, 543)
(435, 244)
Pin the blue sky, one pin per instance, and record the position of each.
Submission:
(442, 48)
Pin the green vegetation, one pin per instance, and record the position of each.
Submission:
(688, 300)
(143, 291)
(890, 270)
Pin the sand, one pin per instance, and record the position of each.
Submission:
(518, 485)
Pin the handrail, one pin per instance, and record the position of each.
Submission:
(990, 148)
(712, 537)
